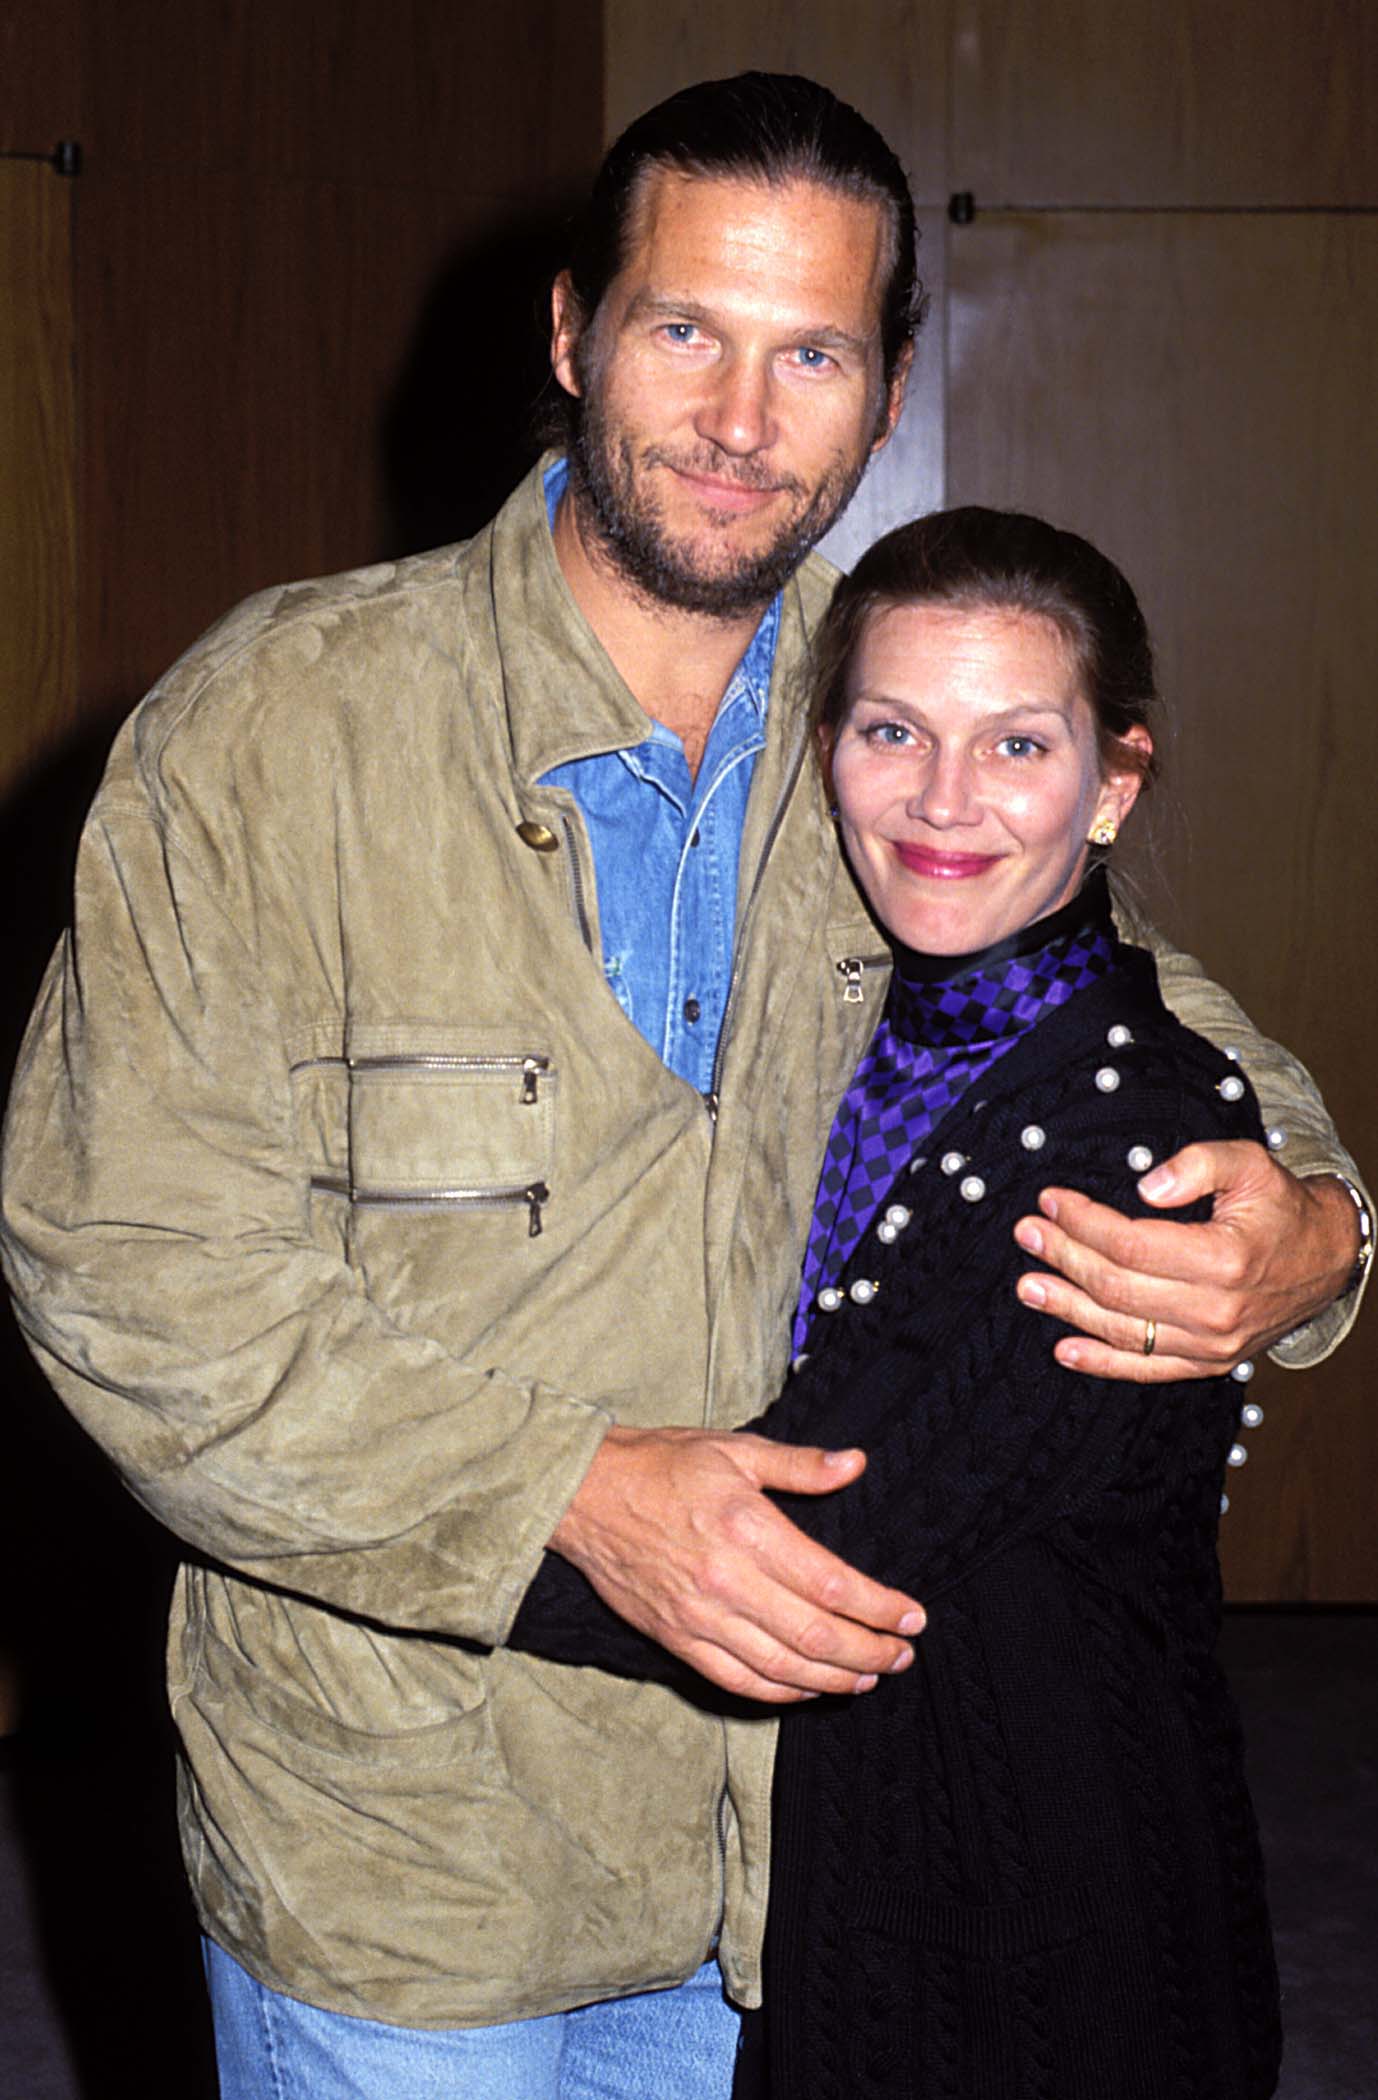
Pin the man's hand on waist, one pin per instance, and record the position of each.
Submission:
(675, 1531)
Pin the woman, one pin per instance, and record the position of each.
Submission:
(1028, 1867)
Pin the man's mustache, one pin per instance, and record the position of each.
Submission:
(743, 473)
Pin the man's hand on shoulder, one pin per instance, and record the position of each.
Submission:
(1275, 1252)
(675, 1530)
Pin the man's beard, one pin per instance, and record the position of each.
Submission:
(629, 528)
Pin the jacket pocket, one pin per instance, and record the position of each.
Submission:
(230, 1689)
(446, 1122)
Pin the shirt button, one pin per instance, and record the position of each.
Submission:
(692, 1009)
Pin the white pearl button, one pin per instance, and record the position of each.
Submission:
(1243, 1371)
(829, 1298)
(1139, 1158)
(1119, 1036)
(953, 1162)
(886, 1233)
(863, 1291)
(1230, 1052)
(1252, 1415)
(972, 1188)
(1231, 1089)
(1238, 1455)
(1224, 1504)
(1033, 1138)
(897, 1215)
(800, 1360)
(1276, 1138)
(1107, 1079)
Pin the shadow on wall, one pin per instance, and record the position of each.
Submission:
(475, 402)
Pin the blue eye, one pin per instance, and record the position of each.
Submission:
(811, 359)
(1020, 746)
(890, 736)
(681, 331)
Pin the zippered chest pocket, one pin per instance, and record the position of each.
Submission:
(451, 1130)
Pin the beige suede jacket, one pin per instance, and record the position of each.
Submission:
(346, 1210)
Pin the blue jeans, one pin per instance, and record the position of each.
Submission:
(660, 2045)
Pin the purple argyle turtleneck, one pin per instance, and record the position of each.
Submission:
(946, 1021)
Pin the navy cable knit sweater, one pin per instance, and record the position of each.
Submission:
(1027, 1869)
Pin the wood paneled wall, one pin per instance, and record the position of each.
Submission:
(1215, 438)
(1190, 103)
(1159, 328)
(37, 463)
(298, 254)
(291, 224)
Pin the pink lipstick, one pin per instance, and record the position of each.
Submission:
(942, 867)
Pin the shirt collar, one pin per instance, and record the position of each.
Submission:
(751, 679)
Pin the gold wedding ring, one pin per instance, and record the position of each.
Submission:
(1150, 1336)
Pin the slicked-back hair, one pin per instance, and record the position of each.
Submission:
(757, 127)
(976, 560)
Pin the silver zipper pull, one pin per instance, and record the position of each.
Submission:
(849, 970)
(532, 1068)
(710, 1102)
(536, 1195)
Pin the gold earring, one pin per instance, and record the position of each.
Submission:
(1103, 832)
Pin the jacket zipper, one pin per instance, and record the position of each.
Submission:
(530, 1068)
(534, 1194)
(721, 1834)
(852, 969)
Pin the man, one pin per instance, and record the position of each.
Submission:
(382, 1250)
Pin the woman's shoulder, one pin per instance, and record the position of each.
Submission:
(1113, 1068)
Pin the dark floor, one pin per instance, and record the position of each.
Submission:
(98, 1974)
(1307, 1684)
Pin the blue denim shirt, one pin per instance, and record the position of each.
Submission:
(665, 854)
